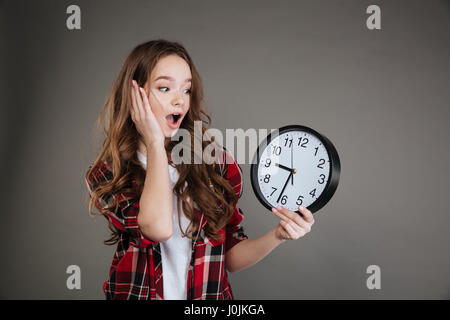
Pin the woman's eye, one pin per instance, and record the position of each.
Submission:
(165, 89)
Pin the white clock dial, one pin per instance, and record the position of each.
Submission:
(306, 157)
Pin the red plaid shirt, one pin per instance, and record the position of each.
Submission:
(136, 270)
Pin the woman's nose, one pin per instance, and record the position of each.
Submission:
(178, 100)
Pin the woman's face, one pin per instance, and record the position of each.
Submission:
(169, 89)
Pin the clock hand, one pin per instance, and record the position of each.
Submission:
(283, 167)
(292, 161)
(284, 187)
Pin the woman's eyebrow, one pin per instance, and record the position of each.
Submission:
(171, 79)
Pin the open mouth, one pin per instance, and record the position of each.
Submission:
(174, 120)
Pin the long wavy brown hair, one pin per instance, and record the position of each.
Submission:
(211, 192)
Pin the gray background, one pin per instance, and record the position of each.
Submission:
(381, 96)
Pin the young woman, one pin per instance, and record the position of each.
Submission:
(177, 227)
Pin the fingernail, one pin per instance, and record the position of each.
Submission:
(274, 210)
(278, 208)
(302, 208)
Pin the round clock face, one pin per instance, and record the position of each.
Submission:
(297, 167)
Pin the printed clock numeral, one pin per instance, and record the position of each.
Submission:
(276, 150)
(274, 189)
(288, 140)
(321, 163)
(322, 180)
(304, 143)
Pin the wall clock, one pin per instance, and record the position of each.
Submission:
(295, 166)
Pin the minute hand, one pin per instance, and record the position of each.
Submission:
(284, 187)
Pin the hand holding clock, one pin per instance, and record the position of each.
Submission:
(314, 160)
(292, 225)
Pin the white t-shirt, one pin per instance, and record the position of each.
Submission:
(175, 252)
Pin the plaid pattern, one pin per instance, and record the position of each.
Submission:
(136, 270)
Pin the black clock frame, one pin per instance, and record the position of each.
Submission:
(335, 167)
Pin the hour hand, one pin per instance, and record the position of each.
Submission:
(283, 167)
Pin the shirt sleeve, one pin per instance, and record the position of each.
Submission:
(234, 230)
(125, 217)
